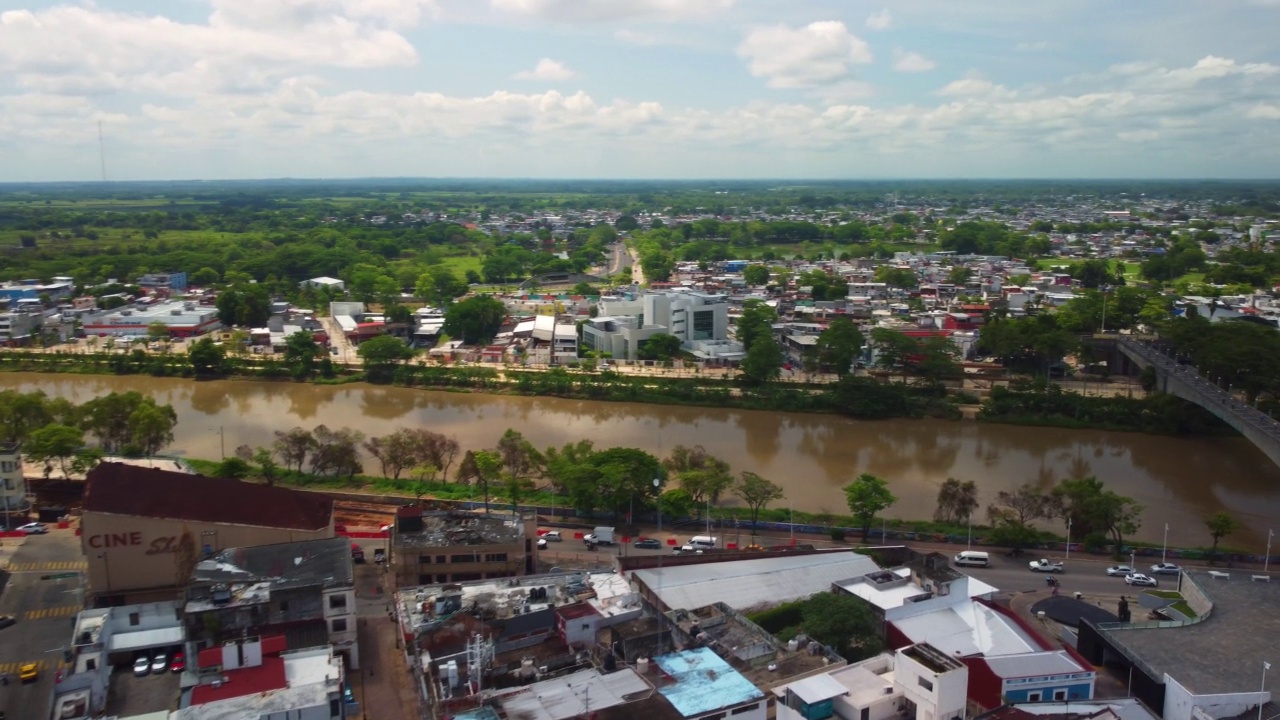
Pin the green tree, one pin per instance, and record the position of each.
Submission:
(488, 469)
(867, 496)
(204, 276)
(301, 351)
(959, 275)
(475, 320)
(244, 305)
(956, 501)
(938, 360)
(844, 623)
(233, 467)
(158, 332)
(756, 274)
(207, 358)
(757, 493)
(894, 349)
(520, 458)
(839, 346)
(151, 427)
(1220, 524)
(54, 443)
(662, 346)
(704, 476)
(1091, 508)
(763, 362)
(896, 277)
(756, 322)
(380, 354)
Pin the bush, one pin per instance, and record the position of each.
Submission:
(775, 620)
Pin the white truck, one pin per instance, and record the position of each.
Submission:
(602, 536)
(1043, 565)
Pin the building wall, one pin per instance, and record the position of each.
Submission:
(340, 621)
(129, 553)
(885, 707)
(428, 565)
(13, 486)
(1179, 703)
(759, 710)
(1044, 690)
(941, 696)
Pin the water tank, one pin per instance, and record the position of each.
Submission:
(793, 645)
(642, 666)
(504, 609)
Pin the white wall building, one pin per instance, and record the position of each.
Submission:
(13, 486)
(700, 320)
(918, 682)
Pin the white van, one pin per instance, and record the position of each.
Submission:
(972, 557)
(703, 542)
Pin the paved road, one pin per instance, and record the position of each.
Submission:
(45, 608)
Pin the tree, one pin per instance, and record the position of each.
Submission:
(937, 360)
(896, 277)
(894, 349)
(959, 275)
(756, 322)
(519, 456)
(956, 501)
(662, 346)
(232, 467)
(267, 467)
(301, 351)
(247, 305)
(757, 493)
(839, 346)
(842, 622)
(204, 276)
(1092, 509)
(488, 468)
(151, 427)
(475, 320)
(207, 358)
(867, 496)
(294, 446)
(1220, 524)
(1023, 504)
(704, 476)
(380, 354)
(117, 423)
(763, 362)
(158, 331)
(395, 452)
(756, 274)
(336, 452)
(54, 442)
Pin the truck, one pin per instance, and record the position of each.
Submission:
(1043, 565)
(602, 536)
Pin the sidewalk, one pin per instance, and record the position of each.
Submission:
(383, 685)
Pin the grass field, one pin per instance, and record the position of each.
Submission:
(1132, 270)
(829, 248)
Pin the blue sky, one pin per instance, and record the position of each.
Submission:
(213, 89)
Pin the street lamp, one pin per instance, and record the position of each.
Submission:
(1266, 561)
(1164, 547)
(1265, 667)
(969, 545)
(1068, 557)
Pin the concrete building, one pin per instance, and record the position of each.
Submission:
(61, 287)
(700, 320)
(259, 678)
(918, 682)
(170, 281)
(700, 685)
(105, 638)
(143, 529)
(13, 486)
(183, 318)
(324, 282)
(17, 326)
(1206, 667)
(302, 590)
(449, 546)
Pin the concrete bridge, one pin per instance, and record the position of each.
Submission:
(1186, 383)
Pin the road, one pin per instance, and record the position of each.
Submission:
(620, 259)
(45, 606)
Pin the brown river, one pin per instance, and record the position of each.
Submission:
(1180, 481)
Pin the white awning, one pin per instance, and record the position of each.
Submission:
(144, 639)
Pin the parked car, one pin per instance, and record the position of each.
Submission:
(141, 665)
(159, 663)
(178, 663)
(1140, 579)
(34, 528)
(1165, 569)
(379, 556)
(6, 621)
(1119, 571)
(28, 672)
(542, 543)
(645, 543)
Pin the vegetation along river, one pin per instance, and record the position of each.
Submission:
(1179, 480)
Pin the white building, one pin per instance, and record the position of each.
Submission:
(918, 681)
(700, 320)
(13, 485)
(257, 678)
(183, 318)
(324, 282)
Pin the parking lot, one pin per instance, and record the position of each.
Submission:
(130, 695)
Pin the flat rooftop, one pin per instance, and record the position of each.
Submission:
(452, 530)
(703, 682)
(251, 574)
(1223, 654)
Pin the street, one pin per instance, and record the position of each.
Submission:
(42, 589)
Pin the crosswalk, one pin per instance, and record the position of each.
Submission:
(55, 612)
(45, 566)
(41, 665)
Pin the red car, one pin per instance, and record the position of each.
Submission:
(179, 663)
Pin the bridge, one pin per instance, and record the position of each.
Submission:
(1186, 383)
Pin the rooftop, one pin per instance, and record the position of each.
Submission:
(437, 529)
(703, 682)
(121, 489)
(252, 573)
(1222, 653)
(753, 583)
(573, 696)
(293, 681)
(422, 606)
(967, 629)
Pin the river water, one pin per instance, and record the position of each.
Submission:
(1180, 481)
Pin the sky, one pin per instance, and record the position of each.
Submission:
(681, 89)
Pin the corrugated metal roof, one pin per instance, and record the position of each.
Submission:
(818, 688)
(704, 682)
(1034, 665)
(968, 629)
(750, 583)
(145, 639)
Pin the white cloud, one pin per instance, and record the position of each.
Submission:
(976, 88)
(1264, 112)
(879, 20)
(910, 62)
(818, 54)
(610, 10)
(547, 70)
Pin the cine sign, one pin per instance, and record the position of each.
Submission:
(159, 546)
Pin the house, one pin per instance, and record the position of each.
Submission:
(259, 678)
(326, 283)
(450, 546)
(919, 682)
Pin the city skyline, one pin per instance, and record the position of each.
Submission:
(231, 89)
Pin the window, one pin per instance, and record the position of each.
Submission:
(1059, 694)
(462, 558)
(134, 618)
(424, 559)
(464, 577)
(1033, 697)
(745, 709)
(704, 324)
(714, 716)
(340, 625)
(441, 559)
(333, 708)
(337, 602)
(495, 557)
(925, 684)
(424, 579)
(284, 606)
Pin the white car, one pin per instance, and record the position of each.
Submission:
(542, 543)
(1140, 579)
(1119, 571)
(1165, 569)
(552, 536)
(34, 528)
(159, 663)
(142, 665)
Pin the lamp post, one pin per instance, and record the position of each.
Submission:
(1266, 561)
(1068, 557)
(106, 566)
(969, 544)
(1265, 667)
(1164, 547)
